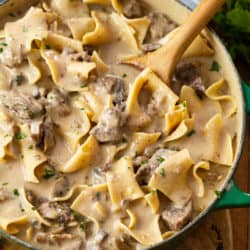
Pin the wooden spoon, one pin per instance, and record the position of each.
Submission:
(164, 60)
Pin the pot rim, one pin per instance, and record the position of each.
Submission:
(209, 208)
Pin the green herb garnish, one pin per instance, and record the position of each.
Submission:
(16, 192)
(191, 132)
(124, 75)
(49, 173)
(47, 46)
(162, 172)
(25, 29)
(160, 159)
(3, 44)
(20, 136)
(1, 50)
(217, 193)
(5, 183)
(215, 66)
(83, 225)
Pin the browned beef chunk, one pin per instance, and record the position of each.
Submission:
(147, 168)
(42, 132)
(188, 74)
(23, 108)
(96, 243)
(57, 100)
(59, 212)
(132, 8)
(177, 217)
(109, 127)
(160, 26)
(60, 187)
(115, 85)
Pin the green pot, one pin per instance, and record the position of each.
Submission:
(231, 196)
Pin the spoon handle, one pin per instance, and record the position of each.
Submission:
(176, 46)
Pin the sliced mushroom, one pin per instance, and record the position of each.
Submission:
(60, 187)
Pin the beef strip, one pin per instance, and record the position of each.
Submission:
(42, 132)
(160, 26)
(132, 8)
(59, 212)
(109, 127)
(22, 108)
(147, 168)
(60, 187)
(177, 217)
(187, 73)
(115, 85)
(57, 99)
(96, 243)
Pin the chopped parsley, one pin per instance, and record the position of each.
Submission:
(22, 210)
(6, 135)
(5, 183)
(191, 132)
(20, 136)
(124, 75)
(49, 173)
(97, 195)
(15, 192)
(25, 29)
(217, 193)
(153, 191)
(129, 167)
(3, 44)
(184, 104)
(215, 66)
(75, 214)
(162, 172)
(144, 162)
(47, 46)
(19, 78)
(33, 208)
(1, 50)
(82, 109)
(83, 225)
(32, 115)
(30, 147)
(160, 159)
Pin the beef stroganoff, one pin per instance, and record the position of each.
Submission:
(95, 154)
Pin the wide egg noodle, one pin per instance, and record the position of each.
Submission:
(197, 183)
(213, 92)
(121, 183)
(32, 157)
(145, 226)
(82, 157)
(19, 35)
(171, 177)
(65, 72)
(12, 225)
(69, 9)
(89, 201)
(160, 91)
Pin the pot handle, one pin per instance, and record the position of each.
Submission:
(246, 90)
(233, 197)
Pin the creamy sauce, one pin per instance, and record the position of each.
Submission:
(93, 125)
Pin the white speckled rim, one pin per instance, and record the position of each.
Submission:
(168, 244)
